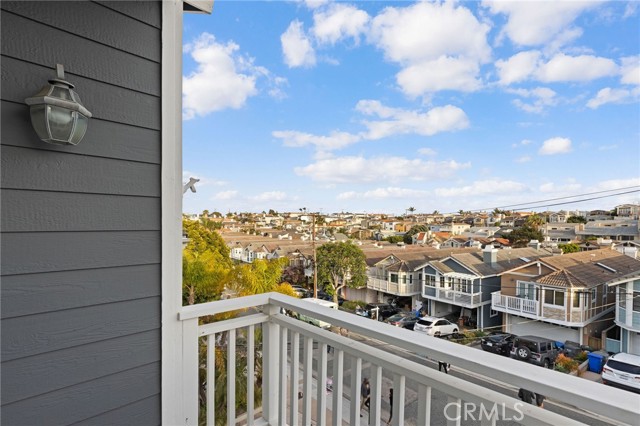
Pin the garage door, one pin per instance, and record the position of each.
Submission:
(528, 327)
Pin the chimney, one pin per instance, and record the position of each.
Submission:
(535, 244)
(490, 255)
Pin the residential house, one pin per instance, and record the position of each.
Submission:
(615, 229)
(566, 296)
(631, 211)
(559, 217)
(560, 232)
(461, 284)
(625, 335)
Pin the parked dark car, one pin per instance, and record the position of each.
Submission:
(498, 342)
(385, 310)
(535, 350)
(326, 296)
(403, 319)
(572, 349)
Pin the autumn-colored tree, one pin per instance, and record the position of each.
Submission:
(341, 265)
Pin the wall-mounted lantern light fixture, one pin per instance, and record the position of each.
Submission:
(57, 115)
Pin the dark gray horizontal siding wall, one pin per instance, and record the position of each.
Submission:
(81, 246)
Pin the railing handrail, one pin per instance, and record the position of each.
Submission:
(572, 390)
(422, 374)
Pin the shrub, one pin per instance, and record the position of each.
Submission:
(351, 305)
(565, 364)
(581, 357)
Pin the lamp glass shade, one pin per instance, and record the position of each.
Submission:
(82, 123)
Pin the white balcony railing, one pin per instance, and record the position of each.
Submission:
(399, 289)
(454, 297)
(293, 358)
(515, 305)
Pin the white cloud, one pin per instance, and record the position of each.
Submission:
(443, 73)
(630, 70)
(427, 152)
(607, 147)
(335, 140)
(223, 79)
(353, 169)
(576, 68)
(270, 196)
(613, 96)
(314, 4)
(542, 97)
(395, 121)
(225, 195)
(533, 23)
(483, 187)
(517, 68)
(560, 68)
(383, 193)
(427, 39)
(337, 22)
(524, 159)
(555, 145)
(400, 121)
(296, 47)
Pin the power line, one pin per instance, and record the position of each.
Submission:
(569, 196)
(543, 202)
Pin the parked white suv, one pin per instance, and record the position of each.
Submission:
(623, 370)
(433, 326)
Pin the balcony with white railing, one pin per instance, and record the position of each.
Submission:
(529, 308)
(387, 286)
(283, 368)
(454, 297)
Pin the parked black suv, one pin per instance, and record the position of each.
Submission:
(498, 342)
(536, 350)
(385, 310)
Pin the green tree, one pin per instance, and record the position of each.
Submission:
(576, 219)
(569, 248)
(341, 265)
(206, 265)
(535, 220)
(260, 276)
(413, 231)
(393, 239)
(520, 237)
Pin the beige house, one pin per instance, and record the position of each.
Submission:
(563, 297)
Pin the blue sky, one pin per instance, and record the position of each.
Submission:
(373, 106)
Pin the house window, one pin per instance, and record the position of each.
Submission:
(554, 297)
(431, 280)
(622, 297)
(394, 278)
(410, 279)
(525, 290)
(576, 299)
(604, 295)
(636, 301)
(594, 295)
(442, 281)
(493, 313)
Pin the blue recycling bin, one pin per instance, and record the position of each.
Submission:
(596, 362)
